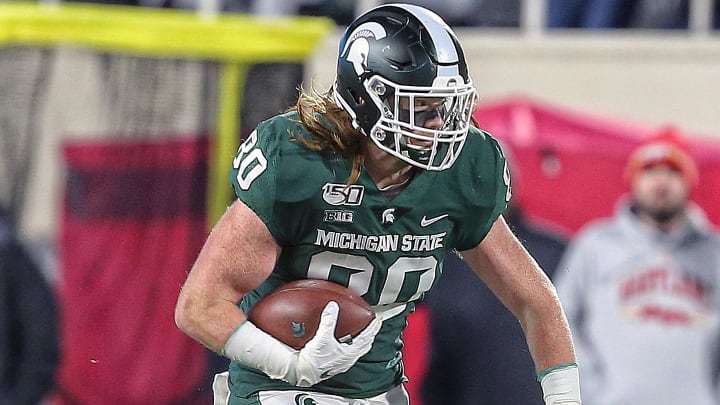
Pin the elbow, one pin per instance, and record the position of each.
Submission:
(183, 314)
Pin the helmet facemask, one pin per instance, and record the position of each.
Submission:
(422, 126)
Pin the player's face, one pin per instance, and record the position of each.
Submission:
(660, 192)
(428, 112)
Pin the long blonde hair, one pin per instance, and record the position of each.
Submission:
(331, 128)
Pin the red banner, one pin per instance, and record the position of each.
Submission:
(133, 222)
(568, 165)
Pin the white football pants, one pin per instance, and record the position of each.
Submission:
(221, 396)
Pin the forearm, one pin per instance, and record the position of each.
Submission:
(210, 325)
(547, 333)
(516, 279)
(551, 346)
(207, 310)
(237, 257)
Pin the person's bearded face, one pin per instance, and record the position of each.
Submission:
(660, 192)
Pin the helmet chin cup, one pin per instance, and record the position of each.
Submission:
(395, 144)
(421, 156)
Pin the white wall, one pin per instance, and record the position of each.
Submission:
(646, 78)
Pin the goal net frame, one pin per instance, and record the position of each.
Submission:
(234, 41)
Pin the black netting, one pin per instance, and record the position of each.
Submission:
(23, 81)
(54, 95)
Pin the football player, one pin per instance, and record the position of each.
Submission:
(369, 185)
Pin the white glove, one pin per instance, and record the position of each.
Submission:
(562, 386)
(321, 358)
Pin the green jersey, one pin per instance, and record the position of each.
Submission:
(389, 251)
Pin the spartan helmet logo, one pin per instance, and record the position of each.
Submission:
(388, 216)
(357, 47)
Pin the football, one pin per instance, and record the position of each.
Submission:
(291, 313)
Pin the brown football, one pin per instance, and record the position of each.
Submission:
(291, 313)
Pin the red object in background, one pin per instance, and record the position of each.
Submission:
(569, 165)
(567, 171)
(416, 356)
(134, 220)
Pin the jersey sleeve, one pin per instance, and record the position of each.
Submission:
(254, 175)
(488, 192)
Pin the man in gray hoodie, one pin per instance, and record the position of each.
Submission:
(642, 292)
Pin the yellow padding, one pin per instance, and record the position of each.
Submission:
(161, 32)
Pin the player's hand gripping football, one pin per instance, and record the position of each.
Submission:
(322, 357)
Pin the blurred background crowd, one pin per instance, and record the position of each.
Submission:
(114, 162)
(597, 14)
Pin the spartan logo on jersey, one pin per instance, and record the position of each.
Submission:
(338, 216)
(342, 194)
(388, 216)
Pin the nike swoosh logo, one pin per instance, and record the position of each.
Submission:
(425, 221)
